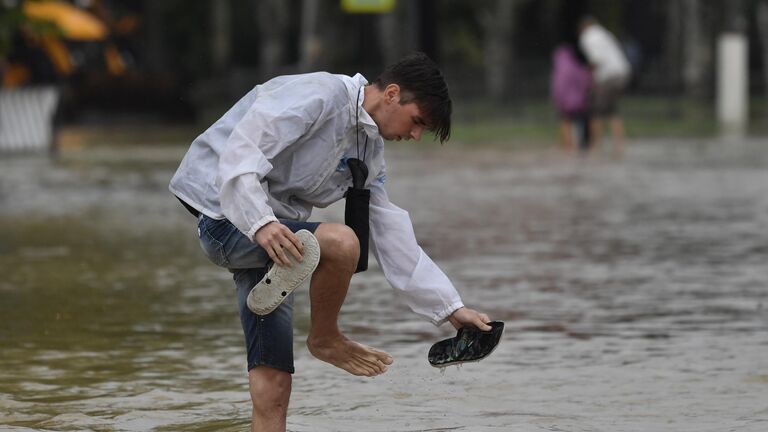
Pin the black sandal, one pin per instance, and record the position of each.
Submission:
(469, 345)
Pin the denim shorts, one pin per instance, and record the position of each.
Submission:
(268, 338)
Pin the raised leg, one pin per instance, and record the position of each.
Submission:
(339, 251)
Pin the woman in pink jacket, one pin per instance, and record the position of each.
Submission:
(569, 88)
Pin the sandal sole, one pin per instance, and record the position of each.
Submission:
(281, 281)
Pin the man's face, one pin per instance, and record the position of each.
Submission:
(398, 121)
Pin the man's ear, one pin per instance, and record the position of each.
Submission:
(392, 93)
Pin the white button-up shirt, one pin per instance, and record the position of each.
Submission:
(281, 151)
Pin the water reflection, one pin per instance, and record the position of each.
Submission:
(634, 293)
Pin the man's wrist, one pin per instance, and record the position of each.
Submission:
(259, 225)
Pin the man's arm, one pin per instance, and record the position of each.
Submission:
(423, 286)
(268, 128)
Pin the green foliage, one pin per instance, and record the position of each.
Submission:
(12, 19)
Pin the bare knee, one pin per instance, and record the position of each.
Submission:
(270, 392)
(338, 244)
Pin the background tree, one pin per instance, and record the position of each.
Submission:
(221, 35)
(494, 50)
(311, 44)
(272, 18)
(762, 26)
(696, 51)
(498, 23)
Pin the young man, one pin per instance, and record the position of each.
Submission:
(254, 177)
(610, 74)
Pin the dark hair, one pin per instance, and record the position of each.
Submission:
(421, 82)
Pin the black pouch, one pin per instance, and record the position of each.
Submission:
(356, 209)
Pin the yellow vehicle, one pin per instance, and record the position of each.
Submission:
(57, 39)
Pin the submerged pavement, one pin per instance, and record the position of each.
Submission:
(634, 294)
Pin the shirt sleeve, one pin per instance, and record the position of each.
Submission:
(419, 281)
(272, 124)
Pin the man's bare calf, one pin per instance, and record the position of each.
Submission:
(270, 393)
(339, 251)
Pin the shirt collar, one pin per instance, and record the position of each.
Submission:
(365, 121)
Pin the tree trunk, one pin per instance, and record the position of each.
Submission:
(156, 53)
(762, 28)
(696, 53)
(733, 16)
(389, 36)
(427, 29)
(221, 39)
(272, 16)
(674, 40)
(311, 43)
(497, 48)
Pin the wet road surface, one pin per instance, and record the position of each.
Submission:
(634, 292)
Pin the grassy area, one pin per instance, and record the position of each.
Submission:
(535, 122)
(526, 123)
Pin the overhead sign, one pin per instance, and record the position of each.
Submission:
(367, 6)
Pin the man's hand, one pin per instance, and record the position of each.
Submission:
(464, 317)
(276, 238)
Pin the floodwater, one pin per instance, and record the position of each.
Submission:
(635, 294)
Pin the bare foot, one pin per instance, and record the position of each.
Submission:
(351, 356)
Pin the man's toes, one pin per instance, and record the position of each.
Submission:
(381, 356)
(382, 367)
(378, 367)
(375, 368)
(373, 355)
(357, 369)
(361, 367)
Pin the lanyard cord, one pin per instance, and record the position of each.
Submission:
(357, 129)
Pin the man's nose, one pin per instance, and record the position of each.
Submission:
(416, 133)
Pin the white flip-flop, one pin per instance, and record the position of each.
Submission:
(280, 281)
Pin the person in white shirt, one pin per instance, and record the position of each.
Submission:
(253, 178)
(610, 75)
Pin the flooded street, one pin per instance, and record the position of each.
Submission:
(635, 296)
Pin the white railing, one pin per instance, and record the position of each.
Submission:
(26, 118)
